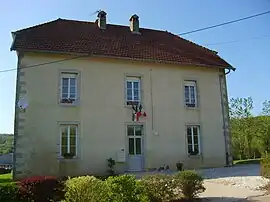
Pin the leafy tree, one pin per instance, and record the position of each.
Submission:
(241, 117)
(266, 108)
(6, 143)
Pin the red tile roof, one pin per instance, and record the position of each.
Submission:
(78, 37)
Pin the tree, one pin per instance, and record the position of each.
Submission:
(266, 108)
(6, 143)
(242, 126)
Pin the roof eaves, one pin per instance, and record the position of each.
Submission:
(126, 58)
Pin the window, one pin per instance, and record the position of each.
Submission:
(133, 91)
(135, 134)
(69, 135)
(193, 140)
(68, 88)
(190, 94)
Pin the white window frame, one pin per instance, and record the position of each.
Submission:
(132, 80)
(68, 126)
(189, 102)
(192, 139)
(66, 75)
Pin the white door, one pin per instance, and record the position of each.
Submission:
(135, 147)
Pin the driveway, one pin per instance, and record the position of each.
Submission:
(233, 183)
(228, 184)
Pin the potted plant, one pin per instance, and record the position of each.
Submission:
(179, 166)
(68, 155)
(111, 164)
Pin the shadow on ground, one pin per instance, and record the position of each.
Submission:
(224, 199)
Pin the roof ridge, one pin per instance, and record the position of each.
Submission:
(198, 45)
(118, 41)
(38, 25)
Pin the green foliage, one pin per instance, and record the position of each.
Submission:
(159, 187)
(86, 189)
(250, 135)
(125, 188)
(111, 165)
(247, 161)
(9, 192)
(6, 143)
(190, 183)
(265, 165)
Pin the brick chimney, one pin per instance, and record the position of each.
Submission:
(134, 24)
(102, 19)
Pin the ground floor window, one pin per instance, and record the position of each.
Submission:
(135, 133)
(193, 140)
(69, 135)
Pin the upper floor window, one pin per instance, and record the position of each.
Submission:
(193, 140)
(133, 90)
(190, 94)
(68, 87)
(69, 144)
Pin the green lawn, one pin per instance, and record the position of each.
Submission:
(247, 161)
(6, 179)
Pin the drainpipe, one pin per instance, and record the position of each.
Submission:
(226, 120)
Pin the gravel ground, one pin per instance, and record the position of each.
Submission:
(245, 176)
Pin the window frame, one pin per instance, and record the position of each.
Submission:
(192, 139)
(189, 84)
(63, 126)
(135, 137)
(133, 79)
(69, 75)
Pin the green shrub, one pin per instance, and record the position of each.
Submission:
(159, 187)
(190, 183)
(9, 192)
(265, 165)
(85, 189)
(125, 188)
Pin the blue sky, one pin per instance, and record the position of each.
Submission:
(250, 55)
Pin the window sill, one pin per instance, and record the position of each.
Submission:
(67, 159)
(198, 156)
(192, 108)
(69, 104)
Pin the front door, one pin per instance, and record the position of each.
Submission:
(135, 147)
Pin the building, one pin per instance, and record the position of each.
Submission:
(89, 91)
(6, 161)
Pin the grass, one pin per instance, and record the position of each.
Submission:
(6, 179)
(247, 161)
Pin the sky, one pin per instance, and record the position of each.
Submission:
(245, 45)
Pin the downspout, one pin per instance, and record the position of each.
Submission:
(226, 119)
(16, 119)
(151, 97)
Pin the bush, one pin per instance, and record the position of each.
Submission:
(265, 165)
(159, 187)
(190, 183)
(41, 189)
(86, 189)
(9, 192)
(125, 188)
(4, 171)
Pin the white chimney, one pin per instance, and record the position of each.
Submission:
(102, 19)
(134, 24)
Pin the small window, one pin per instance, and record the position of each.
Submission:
(133, 91)
(69, 144)
(190, 94)
(68, 88)
(193, 140)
